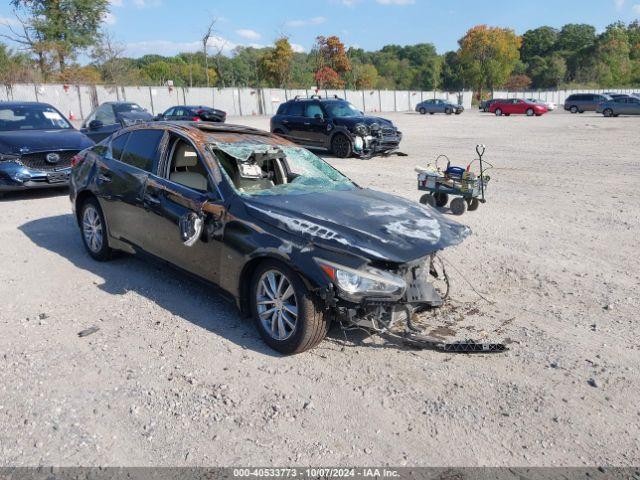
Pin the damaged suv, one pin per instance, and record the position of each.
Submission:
(334, 124)
(291, 240)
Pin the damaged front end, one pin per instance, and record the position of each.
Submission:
(16, 174)
(375, 139)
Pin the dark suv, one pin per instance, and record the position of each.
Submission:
(584, 102)
(335, 125)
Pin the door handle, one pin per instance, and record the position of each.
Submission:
(307, 123)
(285, 121)
(151, 199)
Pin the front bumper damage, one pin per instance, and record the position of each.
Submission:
(427, 289)
(367, 146)
(14, 176)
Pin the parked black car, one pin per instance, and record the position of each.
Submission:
(111, 117)
(485, 105)
(37, 145)
(282, 233)
(584, 102)
(194, 114)
(335, 125)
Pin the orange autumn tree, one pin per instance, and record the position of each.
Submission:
(488, 56)
(331, 62)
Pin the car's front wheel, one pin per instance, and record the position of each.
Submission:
(448, 111)
(422, 111)
(530, 112)
(607, 112)
(341, 146)
(94, 231)
(286, 315)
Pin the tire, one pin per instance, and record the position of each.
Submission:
(278, 132)
(448, 111)
(574, 109)
(441, 199)
(473, 204)
(498, 112)
(422, 111)
(428, 199)
(341, 146)
(458, 206)
(530, 112)
(607, 112)
(94, 231)
(298, 323)
(431, 113)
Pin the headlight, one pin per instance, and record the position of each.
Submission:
(361, 129)
(355, 285)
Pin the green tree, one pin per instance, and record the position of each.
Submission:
(538, 42)
(275, 63)
(613, 64)
(66, 26)
(548, 72)
(451, 77)
(488, 56)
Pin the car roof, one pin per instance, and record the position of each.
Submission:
(18, 104)
(206, 132)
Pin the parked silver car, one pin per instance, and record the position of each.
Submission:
(437, 105)
(620, 106)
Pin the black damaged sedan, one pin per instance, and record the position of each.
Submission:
(293, 242)
(37, 145)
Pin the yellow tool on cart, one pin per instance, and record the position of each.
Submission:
(469, 187)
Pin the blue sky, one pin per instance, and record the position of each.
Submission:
(169, 26)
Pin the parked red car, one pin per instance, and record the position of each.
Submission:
(517, 106)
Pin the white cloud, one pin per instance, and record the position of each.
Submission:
(396, 2)
(619, 4)
(109, 18)
(146, 3)
(248, 34)
(6, 21)
(169, 48)
(636, 9)
(305, 23)
(115, 3)
(297, 48)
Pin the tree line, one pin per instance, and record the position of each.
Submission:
(51, 35)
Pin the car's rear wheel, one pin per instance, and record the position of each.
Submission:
(574, 109)
(530, 112)
(498, 112)
(341, 146)
(286, 315)
(428, 199)
(94, 231)
(458, 206)
(607, 112)
(422, 111)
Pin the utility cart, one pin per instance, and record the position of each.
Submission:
(466, 185)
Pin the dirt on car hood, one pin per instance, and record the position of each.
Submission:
(364, 222)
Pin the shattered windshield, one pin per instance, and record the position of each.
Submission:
(276, 170)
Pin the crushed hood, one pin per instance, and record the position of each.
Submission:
(366, 120)
(42, 140)
(364, 222)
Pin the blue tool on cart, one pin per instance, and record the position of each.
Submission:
(466, 185)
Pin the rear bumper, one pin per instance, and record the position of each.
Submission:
(15, 177)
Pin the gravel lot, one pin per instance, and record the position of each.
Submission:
(175, 376)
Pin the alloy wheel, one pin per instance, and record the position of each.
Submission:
(277, 305)
(92, 229)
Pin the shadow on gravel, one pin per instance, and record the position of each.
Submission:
(27, 195)
(180, 294)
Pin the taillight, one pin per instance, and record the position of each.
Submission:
(77, 159)
(196, 119)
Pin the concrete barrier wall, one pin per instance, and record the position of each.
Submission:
(81, 100)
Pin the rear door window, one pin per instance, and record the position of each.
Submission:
(142, 149)
(296, 109)
(117, 146)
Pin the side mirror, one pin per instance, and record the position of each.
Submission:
(159, 117)
(318, 116)
(190, 228)
(95, 124)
